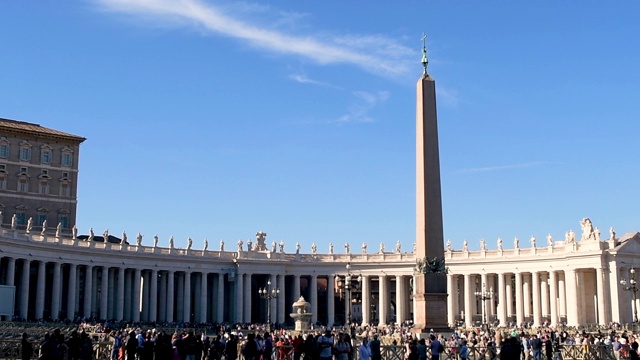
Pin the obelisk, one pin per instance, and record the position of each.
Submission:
(430, 287)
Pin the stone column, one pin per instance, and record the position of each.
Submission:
(468, 294)
(400, 317)
(314, 298)
(455, 299)
(508, 290)
(88, 290)
(544, 294)
(562, 295)
(247, 299)
(135, 307)
(94, 293)
(273, 303)
(104, 292)
(553, 297)
(282, 299)
(179, 313)
(572, 311)
(145, 299)
(128, 294)
(502, 300)
(537, 311)
(187, 297)
(203, 296)
(220, 299)
(383, 300)
(601, 282)
(615, 290)
(169, 295)
(120, 295)
(55, 292)
(153, 296)
(331, 301)
(11, 271)
(24, 288)
(239, 298)
(366, 296)
(40, 289)
(519, 307)
(484, 307)
(526, 295)
(71, 297)
(113, 293)
(161, 296)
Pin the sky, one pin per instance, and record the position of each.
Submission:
(217, 119)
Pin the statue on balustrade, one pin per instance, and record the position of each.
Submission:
(44, 228)
(273, 246)
(138, 238)
(74, 232)
(516, 243)
(533, 241)
(91, 235)
(124, 237)
(347, 248)
(572, 236)
(483, 245)
(29, 225)
(189, 243)
(206, 245)
(250, 245)
(500, 244)
(59, 230)
(239, 245)
(596, 234)
(314, 249)
(221, 245)
(155, 241)
(587, 230)
(381, 248)
(612, 233)
(298, 247)
(549, 240)
(364, 248)
(330, 248)
(465, 245)
(171, 242)
(449, 245)
(261, 238)
(282, 246)
(14, 222)
(398, 247)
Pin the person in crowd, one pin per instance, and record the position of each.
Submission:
(325, 345)
(116, 344)
(131, 346)
(435, 346)
(342, 348)
(364, 352)
(297, 344)
(231, 348)
(422, 349)
(374, 345)
(251, 350)
(26, 349)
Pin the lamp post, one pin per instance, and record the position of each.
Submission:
(349, 286)
(484, 295)
(632, 286)
(268, 294)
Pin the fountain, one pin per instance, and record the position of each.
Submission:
(301, 315)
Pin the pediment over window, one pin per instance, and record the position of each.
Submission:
(628, 243)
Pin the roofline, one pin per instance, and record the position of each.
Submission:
(61, 135)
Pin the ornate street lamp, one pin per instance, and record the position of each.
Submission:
(632, 286)
(349, 286)
(268, 294)
(484, 295)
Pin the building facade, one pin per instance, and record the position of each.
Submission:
(60, 277)
(38, 176)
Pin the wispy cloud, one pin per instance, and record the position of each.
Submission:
(449, 97)
(359, 111)
(503, 167)
(374, 53)
(304, 79)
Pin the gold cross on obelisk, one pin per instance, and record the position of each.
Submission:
(425, 61)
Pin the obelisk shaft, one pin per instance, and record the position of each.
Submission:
(431, 289)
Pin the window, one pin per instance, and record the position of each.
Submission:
(42, 216)
(25, 154)
(3, 183)
(45, 172)
(4, 151)
(24, 170)
(64, 190)
(3, 167)
(21, 217)
(63, 219)
(44, 187)
(46, 156)
(23, 185)
(65, 175)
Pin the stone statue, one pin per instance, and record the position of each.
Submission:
(189, 243)
(105, 235)
(566, 237)
(206, 245)
(449, 245)
(533, 241)
(58, 229)
(124, 237)
(221, 245)
(44, 228)
(516, 243)
(249, 245)
(138, 238)
(587, 230)
(465, 246)
(572, 236)
(90, 238)
(171, 242)
(364, 248)
(330, 248)
(273, 246)
(155, 240)
(314, 249)
(261, 238)
(239, 245)
(282, 246)
(298, 248)
(74, 232)
(483, 245)
(549, 240)
(347, 248)
(14, 222)
(398, 247)
(500, 244)
(596, 233)
(29, 225)
(612, 233)
(381, 248)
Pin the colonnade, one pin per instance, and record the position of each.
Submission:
(61, 290)
(573, 296)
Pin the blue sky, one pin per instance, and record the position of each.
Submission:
(219, 119)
